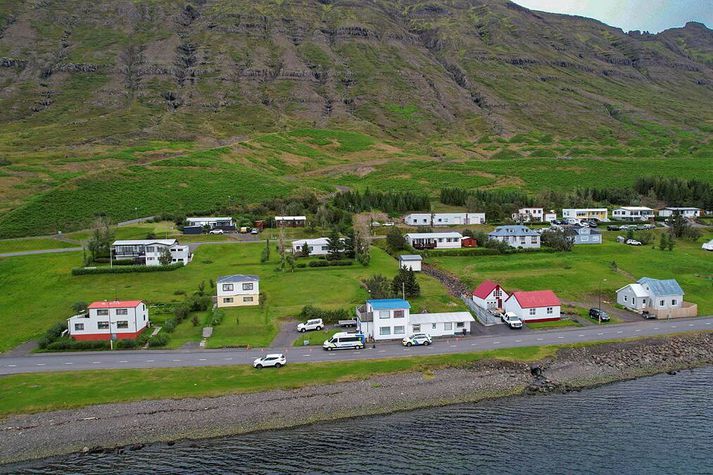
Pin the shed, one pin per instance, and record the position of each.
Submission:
(410, 261)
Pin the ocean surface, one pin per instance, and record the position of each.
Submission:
(657, 425)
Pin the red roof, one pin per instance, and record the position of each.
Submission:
(484, 289)
(116, 304)
(537, 298)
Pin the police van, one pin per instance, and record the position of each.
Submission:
(343, 341)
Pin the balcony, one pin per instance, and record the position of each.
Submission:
(363, 315)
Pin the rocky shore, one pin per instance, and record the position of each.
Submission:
(128, 426)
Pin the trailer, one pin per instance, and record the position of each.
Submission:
(347, 323)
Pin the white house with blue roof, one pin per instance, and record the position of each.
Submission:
(662, 298)
(516, 235)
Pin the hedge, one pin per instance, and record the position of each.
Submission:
(328, 316)
(124, 269)
(482, 251)
(330, 263)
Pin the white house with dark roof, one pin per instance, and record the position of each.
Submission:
(410, 261)
(222, 222)
(686, 212)
(662, 298)
(583, 235)
(149, 251)
(238, 290)
(601, 214)
(633, 213)
(516, 235)
(291, 221)
(446, 240)
(444, 219)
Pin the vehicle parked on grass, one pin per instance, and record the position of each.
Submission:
(633, 242)
(344, 341)
(216, 231)
(512, 320)
(599, 314)
(310, 325)
(275, 360)
(417, 339)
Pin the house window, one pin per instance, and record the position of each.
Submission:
(122, 311)
(399, 314)
(228, 300)
(122, 324)
(149, 258)
(228, 287)
(78, 327)
(674, 302)
(533, 311)
(662, 303)
(103, 325)
(103, 312)
(384, 331)
(448, 326)
(626, 298)
(433, 326)
(460, 324)
(399, 330)
(247, 299)
(150, 249)
(533, 240)
(384, 314)
(248, 286)
(416, 328)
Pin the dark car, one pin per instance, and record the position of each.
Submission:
(647, 315)
(598, 314)
(612, 227)
(593, 223)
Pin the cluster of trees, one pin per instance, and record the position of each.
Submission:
(677, 191)
(388, 202)
(99, 245)
(403, 284)
(557, 239)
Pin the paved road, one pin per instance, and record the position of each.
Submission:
(182, 358)
(41, 251)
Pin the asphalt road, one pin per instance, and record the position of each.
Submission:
(194, 358)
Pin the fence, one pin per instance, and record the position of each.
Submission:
(484, 317)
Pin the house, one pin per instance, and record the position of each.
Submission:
(689, 213)
(516, 235)
(535, 306)
(633, 213)
(534, 215)
(662, 298)
(450, 240)
(410, 261)
(388, 319)
(225, 223)
(583, 235)
(149, 251)
(291, 221)
(489, 295)
(550, 216)
(238, 290)
(118, 320)
(444, 219)
(600, 214)
(315, 247)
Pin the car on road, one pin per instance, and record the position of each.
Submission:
(512, 320)
(344, 341)
(254, 231)
(417, 339)
(633, 242)
(598, 314)
(647, 315)
(275, 360)
(215, 231)
(310, 325)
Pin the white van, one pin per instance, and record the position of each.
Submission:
(344, 340)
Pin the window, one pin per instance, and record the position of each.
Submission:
(533, 240)
(384, 314)
(103, 325)
(399, 330)
(151, 249)
(662, 303)
(626, 298)
(228, 287)
(122, 324)
(550, 310)
(78, 327)
(228, 300)
(416, 328)
(248, 286)
(674, 302)
(384, 331)
(433, 326)
(533, 311)
(122, 311)
(149, 258)
(448, 326)
(247, 299)
(399, 314)
(103, 312)
(460, 324)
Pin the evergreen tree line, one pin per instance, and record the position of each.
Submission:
(677, 191)
(388, 202)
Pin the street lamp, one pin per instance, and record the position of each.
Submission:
(599, 315)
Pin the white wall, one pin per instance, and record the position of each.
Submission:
(628, 299)
(413, 265)
(240, 293)
(541, 313)
(398, 327)
(135, 320)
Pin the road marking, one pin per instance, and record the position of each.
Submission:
(496, 343)
(69, 363)
(657, 328)
(518, 341)
(580, 335)
(473, 344)
(453, 346)
(150, 361)
(638, 330)
(380, 351)
(96, 362)
(600, 334)
(708, 323)
(12, 366)
(539, 339)
(560, 337)
(176, 361)
(690, 324)
(123, 361)
(674, 326)
(226, 359)
(202, 359)
(41, 364)
(620, 331)
(306, 355)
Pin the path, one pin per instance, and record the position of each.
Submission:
(192, 358)
(286, 335)
(41, 251)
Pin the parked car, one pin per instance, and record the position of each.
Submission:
(512, 320)
(417, 339)
(309, 325)
(647, 315)
(633, 242)
(215, 231)
(593, 223)
(599, 314)
(613, 227)
(276, 360)
(343, 340)
(572, 221)
(254, 231)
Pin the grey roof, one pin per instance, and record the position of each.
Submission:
(410, 257)
(514, 230)
(237, 278)
(572, 230)
(661, 287)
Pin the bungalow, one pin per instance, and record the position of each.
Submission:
(689, 213)
(662, 298)
(149, 251)
(118, 320)
(600, 214)
(224, 223)
(583, 235)
(238, 290)
(444, 219)
(489, 295)
(516, 236)
(388, 319)
(410, 261)
(315, 247)
(537, 306)
(450, 240)
(291, 221)
(533, 215)
(633, 213)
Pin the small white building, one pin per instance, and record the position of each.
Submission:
(410, 261)
(550, 216)
(662, 298)
(449, 240)
(516, 235)
(600, 214)
(225, 222)
(315, 247)
(536, 306)
(238, 290)
(489, 295)
(291, 221)
(119, 320)
(149, 251)
(534, 215)
(633, 213)
(444, 219)
(686, 212)
(441, 324)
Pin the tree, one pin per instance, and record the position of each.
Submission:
(164, 257)
(678, 225)
(671, 243)
(395, 240)
(335, 246)
(99, 244)
(79, 307)
(558, 240)
(405, 284)
(350, 245)
(379, 287)
(265, 256)
(663, 242)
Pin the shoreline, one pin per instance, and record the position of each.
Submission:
(129, 426)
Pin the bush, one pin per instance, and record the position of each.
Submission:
(216, 317)
(159, 340)
(125, 344)
(66, 343)
(301, 265)
(170, 325)
(328, 316)
(124, 269)
(330, 263)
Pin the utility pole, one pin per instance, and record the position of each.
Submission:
(599, 315)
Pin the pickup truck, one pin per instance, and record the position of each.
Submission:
(309, 325)
(512, 320)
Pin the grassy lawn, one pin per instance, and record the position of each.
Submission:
(556, 324)
(316, 337)
(48, 391)
(19, 245)
(577, 275)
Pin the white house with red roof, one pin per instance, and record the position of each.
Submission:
(535, 306)
(121, 319)
(489, 295)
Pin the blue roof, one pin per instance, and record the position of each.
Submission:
(388, 304)
(662, 287)
(513, 230)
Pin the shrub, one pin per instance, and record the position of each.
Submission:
(216, 317)
(125, 344)
(330, 263)
(158, 340)
(170, 325)
(328, 316)
(301, 265)
(124, 269)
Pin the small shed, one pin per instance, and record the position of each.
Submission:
(468, 242)
(410, 261)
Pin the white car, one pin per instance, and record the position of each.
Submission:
(417, 339)
(632, 242)
(215, 231)
(275, 360)
(309, 325)
(512, 320)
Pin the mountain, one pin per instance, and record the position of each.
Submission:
(81, 80)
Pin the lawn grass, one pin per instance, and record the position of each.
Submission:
(26, 393)
(19, 245)
(554, 324)
(316, 337)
